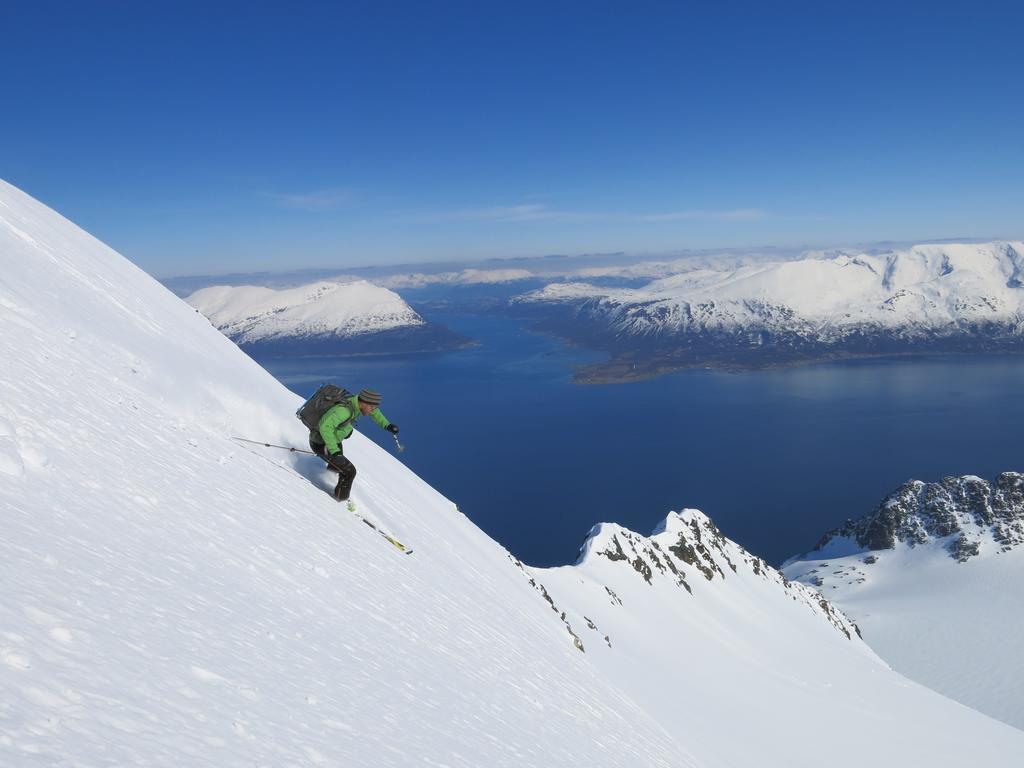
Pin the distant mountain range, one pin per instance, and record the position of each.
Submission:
(321, 318)
(934, 576)
(949, 297)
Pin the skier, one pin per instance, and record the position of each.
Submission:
(336, 425)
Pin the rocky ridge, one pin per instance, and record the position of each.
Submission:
(687, 548)
(966, 514)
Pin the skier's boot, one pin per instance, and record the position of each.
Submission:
(341, 490)
(341, 494)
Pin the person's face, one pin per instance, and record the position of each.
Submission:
(365, 408)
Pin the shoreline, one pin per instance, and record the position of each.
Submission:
(629, 369)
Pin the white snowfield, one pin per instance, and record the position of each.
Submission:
(924, 290)
(172, 598)
(249, 313)
(954, 626)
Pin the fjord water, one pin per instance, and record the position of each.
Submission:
(774, 457)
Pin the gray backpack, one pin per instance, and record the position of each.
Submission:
(325, 398)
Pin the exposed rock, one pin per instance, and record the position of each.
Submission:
(551, 602)
(640, 566)
(689, 542)
(691, 550)
(617, 554)
(615, 598)
(969, 508)
(963, 549)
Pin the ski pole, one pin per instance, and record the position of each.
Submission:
(398, 445)
(271, 445)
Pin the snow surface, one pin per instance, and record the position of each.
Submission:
(249, 313)
(753, 651)
(955, 626)
(923, 289)
(172, 598)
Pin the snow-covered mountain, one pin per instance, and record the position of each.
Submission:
(250, 313)
(935, 577)
(320, 318)
(171, 597)
(928, 297)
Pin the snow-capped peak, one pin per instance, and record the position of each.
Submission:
(675, 521)
(249, 314)
(963, 515)
(686, 549)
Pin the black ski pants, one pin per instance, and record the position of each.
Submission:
(338, 462)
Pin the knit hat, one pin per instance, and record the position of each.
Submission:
(370, 397)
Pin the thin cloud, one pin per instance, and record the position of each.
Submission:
(737, 214)
(318, 200)
(541, 212)
(527, 212)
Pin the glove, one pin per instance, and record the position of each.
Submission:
(337, 455)
(392, 428)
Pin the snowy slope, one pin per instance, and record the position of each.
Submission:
(171, 598)
(248, 314)
(940, 292)
(755, 648)
(935, 578)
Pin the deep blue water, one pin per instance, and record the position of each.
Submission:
(774, 457)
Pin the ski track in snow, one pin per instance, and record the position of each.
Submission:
(170, 599)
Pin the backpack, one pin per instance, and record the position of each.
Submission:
(325, 398)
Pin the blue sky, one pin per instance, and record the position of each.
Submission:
(213, 137)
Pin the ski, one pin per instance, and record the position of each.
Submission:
(390, 539)
(350, 505)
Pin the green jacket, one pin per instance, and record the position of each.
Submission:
(339, 421)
